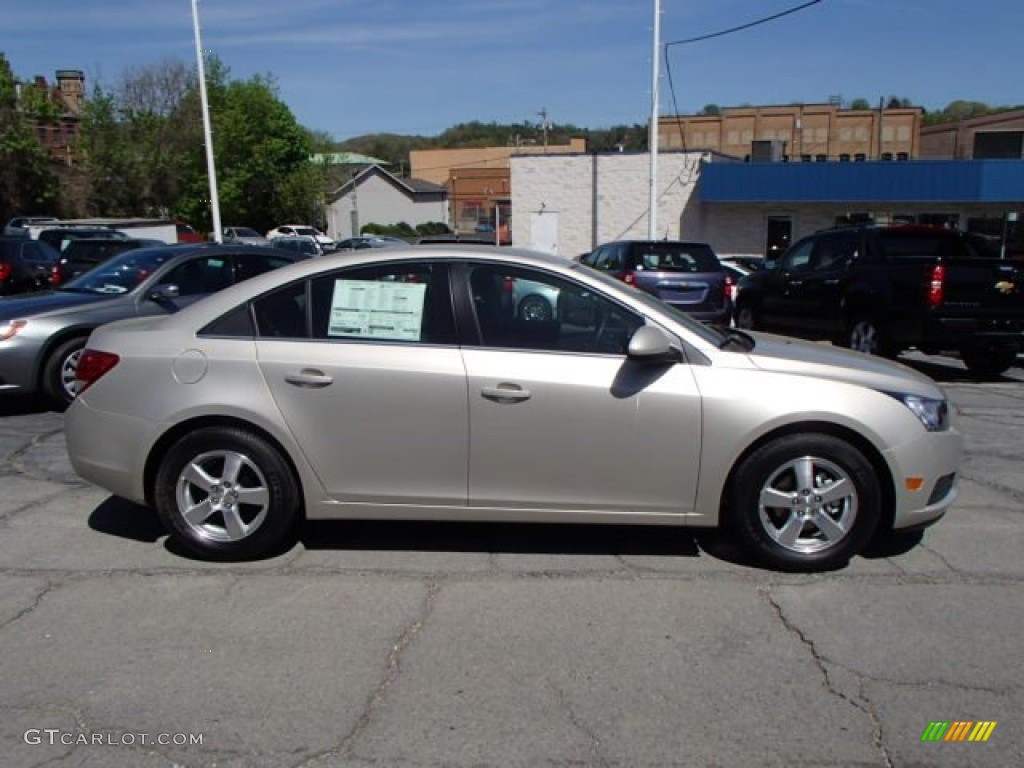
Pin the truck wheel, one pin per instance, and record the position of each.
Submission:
(866, 336)
(747, 318)
(988, 362)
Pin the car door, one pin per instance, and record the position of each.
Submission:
(816, 303)
(783, 288)
(560, 420)
(371, 382)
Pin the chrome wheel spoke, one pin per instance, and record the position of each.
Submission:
(837, 491)
(771, 497)
(804, 469)
(232, 466)
(199, 513)
(195, 475)
(790, 532)
(829, 528)
(233, 525)
(258, 496)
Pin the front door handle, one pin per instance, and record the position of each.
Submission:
(506, 393)
(309, 378)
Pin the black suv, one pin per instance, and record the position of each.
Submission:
(881, 290)
(25, 265)
(79, 256)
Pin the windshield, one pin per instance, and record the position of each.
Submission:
(306, 231)
(246, 232)
(123, 272)
(708, 333)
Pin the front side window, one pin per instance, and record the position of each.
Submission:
(799, 258)
(206, 274)
(519, 308)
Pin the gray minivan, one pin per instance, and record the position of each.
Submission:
(686, 275)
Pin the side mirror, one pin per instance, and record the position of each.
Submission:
(164, 293)
(651, 345)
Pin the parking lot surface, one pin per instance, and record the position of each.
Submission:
(391, 644)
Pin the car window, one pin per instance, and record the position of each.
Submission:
(282, 313)
(519, 308)
(205, 274)
(249, 265)
(39, 253)
(898, 243)
(675, 257)
(798, 258)
(121, 273)
(834, 251)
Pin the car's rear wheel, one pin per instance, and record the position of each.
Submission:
(805, 502)
(225, 494)
(988, 362)
(59, 372)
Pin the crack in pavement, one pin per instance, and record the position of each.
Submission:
(392, 670)
(820, 662)
(5, 517)
(596, 750)
(50, 586)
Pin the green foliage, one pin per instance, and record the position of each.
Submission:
(433, 228)
(860, 104)
(27, 184)
(711, 109)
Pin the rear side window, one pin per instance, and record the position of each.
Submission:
(946, 245)
(675, 257)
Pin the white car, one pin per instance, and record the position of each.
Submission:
(291, 230)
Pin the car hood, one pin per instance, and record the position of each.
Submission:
(46, 302)
(825, 361)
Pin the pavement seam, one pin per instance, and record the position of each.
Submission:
(5, 517)
(392, 671)
(821, 663)
(596, 749)
(13, 459)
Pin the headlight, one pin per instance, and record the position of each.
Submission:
(933, 414)
(9, 329)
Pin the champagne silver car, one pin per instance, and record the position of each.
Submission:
(402, 384)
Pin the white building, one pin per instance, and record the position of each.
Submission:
(375, 196)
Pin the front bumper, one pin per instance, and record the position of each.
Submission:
(934, 457)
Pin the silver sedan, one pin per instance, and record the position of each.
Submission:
(403, 384)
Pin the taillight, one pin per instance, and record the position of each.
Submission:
(729, 295)
(56, 278)
(508, 285)
(937, 286)
(5, 270)
(92, 365)
(629, 278)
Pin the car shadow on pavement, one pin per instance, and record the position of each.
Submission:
(125, 520)
(950, 371)
(22, 405)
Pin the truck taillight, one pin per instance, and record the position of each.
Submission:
(56, 278)
(93, 365)
(729, 290)
(937, 286)
(5, 270)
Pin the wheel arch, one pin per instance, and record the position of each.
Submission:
(52, 343)
(176, 432)
(861, 443)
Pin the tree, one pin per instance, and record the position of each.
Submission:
(860, 104)
(711, 109)
(27, 185)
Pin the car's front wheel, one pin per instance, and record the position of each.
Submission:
(804, 502)
(226, 493)
(865, 335)
(747, 318)
(59, 372)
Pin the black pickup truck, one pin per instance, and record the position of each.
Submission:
(881, 290)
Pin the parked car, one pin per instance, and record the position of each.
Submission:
(396, 383)
(25, 265)
(81, 255)
(242, 236)
(369, 241)
(301, 246)
(736, 268)
(60, 237)
(42, 334)
(881, 290)
(18, 226)
(186, 234)
(686, 275)
(301, 230)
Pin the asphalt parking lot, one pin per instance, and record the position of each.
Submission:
(472, 645)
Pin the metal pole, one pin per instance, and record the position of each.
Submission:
(218, 234)
(652, 140)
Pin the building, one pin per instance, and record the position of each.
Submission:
(59, 135)
(376, 196)
(569, 204)
(1000, 135)
(478, 180)
(798, 133)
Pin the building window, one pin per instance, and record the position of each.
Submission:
(820, 158)
(887, 156)
(860, 157)
(844, 158)
(805, 158)
(902, 156)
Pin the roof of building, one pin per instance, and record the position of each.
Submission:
(346, 158)
(413, 187)
(981, 181)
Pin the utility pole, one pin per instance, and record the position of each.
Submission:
(218, 234)
(544, 125)
(652, 141)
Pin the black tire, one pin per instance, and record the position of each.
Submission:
(747, 318)
(989, 363)
(250, 507)
(59, 372)
(865, 334)
(778, 503)
(535, 309)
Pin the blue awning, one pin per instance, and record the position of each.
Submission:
(960, 181)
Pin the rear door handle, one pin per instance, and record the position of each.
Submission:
(309, 378)
(506, 393)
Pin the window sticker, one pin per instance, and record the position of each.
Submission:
(375, 310)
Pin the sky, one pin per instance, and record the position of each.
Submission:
(351, 67)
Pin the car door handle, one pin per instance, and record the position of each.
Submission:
(310, 378)
(832, 281)
(506, 393)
